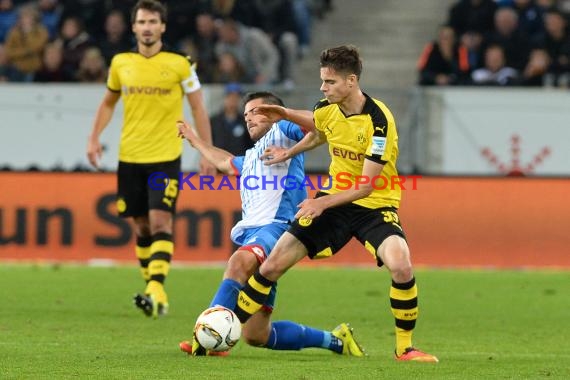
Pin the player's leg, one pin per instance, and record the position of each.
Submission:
(320, 237)
(132, 202)
(394, 253)
(256, 244)
(162, 206)
(259, 331)
(241, 265)
(288, 251)
(161, 251)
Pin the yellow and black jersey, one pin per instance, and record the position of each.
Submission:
(152, 90)
(369, 135)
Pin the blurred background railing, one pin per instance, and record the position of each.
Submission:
(442, 131)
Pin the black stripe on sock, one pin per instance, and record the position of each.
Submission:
(262, 280)
(144, 241)
(158, 277)
(144, 262)
(162, 236)
(164, 256)
(405, 325)
(242, 315)
(404, 304)
(405, 285)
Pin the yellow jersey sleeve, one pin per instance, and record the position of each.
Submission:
(384, 136)
(113, 82)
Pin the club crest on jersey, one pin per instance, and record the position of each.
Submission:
(305, 221)
(361, 139)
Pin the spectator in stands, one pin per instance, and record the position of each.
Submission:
(303, 21)
(229, 69)
(507, 34)
(495, 72)
(444, 62)
(472, 15)
(181, 19)
(92, 67)
(536, 69)
(229, 131)
(530, 17)
(91, 13)
(52, 65)
(8, 18)
(4, 67)
(278, 21)
(205, 40)
(75, 40)
(245, 12)
(24, 45)
(472, 40)
(50, 12)
(556, 42)
(252, 48)
(116, 39)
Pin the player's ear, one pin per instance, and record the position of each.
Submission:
(351, 80)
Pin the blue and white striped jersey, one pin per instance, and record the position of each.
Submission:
(270, 193)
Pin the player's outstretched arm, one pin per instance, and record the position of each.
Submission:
(275, 154)
(102, 119)
(200, 115)
(274, 113)
(220, 158)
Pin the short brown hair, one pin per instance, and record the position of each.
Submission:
(151, 6)
(268, 98)
(344, 59)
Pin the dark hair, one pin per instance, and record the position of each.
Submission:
(268, 98)
(151, 6)
(343, 59)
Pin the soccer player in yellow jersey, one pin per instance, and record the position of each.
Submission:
(152, 82)
(363, 145)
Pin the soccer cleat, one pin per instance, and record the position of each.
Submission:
(188, 347)
(149, 306)
(349, 345)
(415, 355)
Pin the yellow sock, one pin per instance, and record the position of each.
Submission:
(404, 304)
(161, 250)
(252, 296)
(142, 250)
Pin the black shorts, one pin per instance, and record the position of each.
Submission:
(333, 229)
(144, 187)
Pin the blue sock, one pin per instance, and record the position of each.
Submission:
(227, 294)
(286, 335)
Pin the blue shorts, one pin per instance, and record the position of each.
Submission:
(260, 242)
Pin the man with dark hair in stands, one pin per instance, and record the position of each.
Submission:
(472, 15)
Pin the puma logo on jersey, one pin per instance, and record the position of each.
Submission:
(381, 129)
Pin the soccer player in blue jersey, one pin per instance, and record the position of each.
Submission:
(267, 209)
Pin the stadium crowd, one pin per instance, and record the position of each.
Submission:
(246, 41)
(500, 43)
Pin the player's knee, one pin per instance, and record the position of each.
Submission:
(271, 269)
(255, 337)
(241, 266)
(396, 256)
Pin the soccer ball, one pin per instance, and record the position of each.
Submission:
(217, 329)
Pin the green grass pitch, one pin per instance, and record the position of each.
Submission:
(78, 322)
